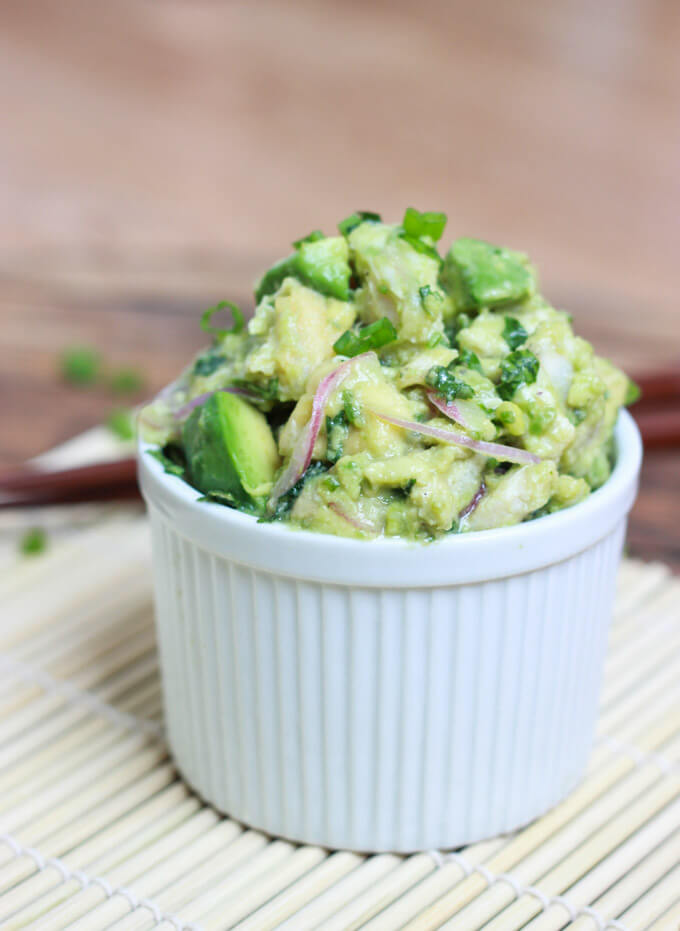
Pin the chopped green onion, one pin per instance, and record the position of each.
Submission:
(127, 381)
(80, 365)
(237, 317)
(314, 236)
(419, 224)
(356, 219)
(372, 336)
(514, 333)
(33, 542)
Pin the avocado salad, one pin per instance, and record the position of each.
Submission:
(381, 389)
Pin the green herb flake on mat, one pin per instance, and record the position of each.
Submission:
(33, 542)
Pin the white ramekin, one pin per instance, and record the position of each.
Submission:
(383, 695)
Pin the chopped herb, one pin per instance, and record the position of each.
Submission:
(351, 407)
(337, 429)
(633, 393)
(356, 219)
(469, 360)
(285, 503)
(121, 423)
(80, 365)
(492, 463)
(314, 236)
(420, 246)
(373, 336)
(126, 381)
(268, 391)
(514, 333)
(33, 542)
(419, 224)
(404, 490)
(445, 383)
(171, 457)
(519, 368)
(208, 363)
(330, 483)
(429, 298)
(236, 314)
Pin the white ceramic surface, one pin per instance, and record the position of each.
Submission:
(384, 695)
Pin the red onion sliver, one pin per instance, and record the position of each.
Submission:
(183, 412)
(497, 450)
(474, 501)
(304, 447)
(448, 408)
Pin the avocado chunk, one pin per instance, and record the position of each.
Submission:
(230, 451)
(322, 264)
(479, 274)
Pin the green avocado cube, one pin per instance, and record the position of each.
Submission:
(479, 274)
(230, 450)
(324, 266)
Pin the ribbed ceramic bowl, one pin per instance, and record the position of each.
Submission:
(383, 695)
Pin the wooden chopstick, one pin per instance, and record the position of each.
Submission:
(102, 481)
(657, 415)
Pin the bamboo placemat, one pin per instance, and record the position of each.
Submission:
(98, 831)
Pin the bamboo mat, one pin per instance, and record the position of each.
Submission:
(98, 831)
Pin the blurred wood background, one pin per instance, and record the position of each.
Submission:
(154, 156)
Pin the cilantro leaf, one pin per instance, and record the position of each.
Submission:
(519, 368)
(445, 383)
(469, 360)
(514, 333)
(373, 336)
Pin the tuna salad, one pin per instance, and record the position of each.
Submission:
(382, 389)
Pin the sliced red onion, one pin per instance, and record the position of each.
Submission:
(357, 524)
(474, 501)
(183, 412)
(497, 450)
(304, 447)
(449, 409)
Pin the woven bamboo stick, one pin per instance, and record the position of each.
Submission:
(328, 873)
(198, 877)
(369, 874)
(663, 893)
(134, 832)
(428, 890)
(162, 861)
(589, 854)
(73, 829)
(270, 860)
(635, 883)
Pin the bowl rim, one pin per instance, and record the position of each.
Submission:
(451, 560)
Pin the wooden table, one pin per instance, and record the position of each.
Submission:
(155, 156)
